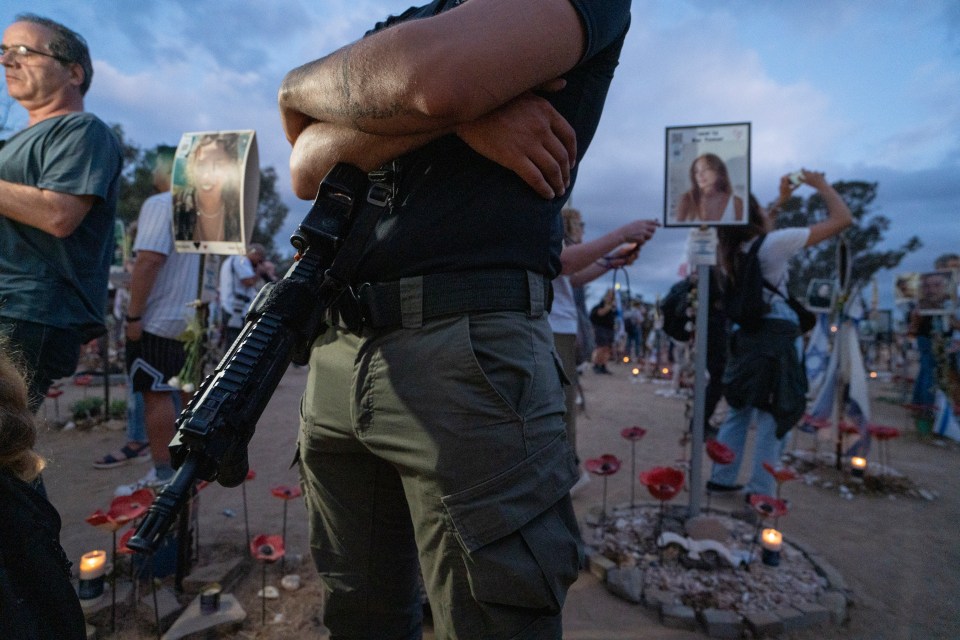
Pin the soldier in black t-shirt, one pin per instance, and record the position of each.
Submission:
(434, 437)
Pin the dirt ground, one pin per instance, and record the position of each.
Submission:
(899, 556)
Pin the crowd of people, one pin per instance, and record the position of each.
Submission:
(474, 265)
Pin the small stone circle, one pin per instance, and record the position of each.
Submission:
(638, 574)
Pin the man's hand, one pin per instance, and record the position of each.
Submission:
(529, 137)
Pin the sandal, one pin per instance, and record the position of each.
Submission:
(130, 452)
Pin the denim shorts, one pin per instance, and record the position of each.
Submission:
(440, 449)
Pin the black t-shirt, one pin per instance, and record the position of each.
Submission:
(455, 210)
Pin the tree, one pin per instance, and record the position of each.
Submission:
(271, 212)
(862, 237)
(136, 179)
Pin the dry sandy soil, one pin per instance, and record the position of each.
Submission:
(899, 556)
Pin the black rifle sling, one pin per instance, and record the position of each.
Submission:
(341, 272)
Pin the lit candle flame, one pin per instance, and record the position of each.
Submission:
(92, 564)
(772, 539)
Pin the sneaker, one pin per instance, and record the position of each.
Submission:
(582, 482)
(149, 481)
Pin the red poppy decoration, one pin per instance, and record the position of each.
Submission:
(781, 474)
(124, 539)
(849, 428)
(633, 433)
(83, 380)
(719, 452)
(663, 483)
(768, 506)
(883, 433)
(123, 509)
(267, 548)
(203, 484)
(286, 493)
(251, 474)
(101, 520)
(606, 465)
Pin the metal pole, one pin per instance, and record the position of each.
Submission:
(699, 389)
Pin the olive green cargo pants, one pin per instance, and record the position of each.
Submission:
(440, 449)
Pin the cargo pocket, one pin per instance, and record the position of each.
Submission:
(518, 532)
(564, 379)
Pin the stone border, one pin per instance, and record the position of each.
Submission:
(832, 606)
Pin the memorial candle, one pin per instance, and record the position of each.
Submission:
(93, 565)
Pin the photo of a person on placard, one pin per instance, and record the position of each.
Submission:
(711, 197)
(820, 296)
(207, 208)
(905, 288)
(936, 295)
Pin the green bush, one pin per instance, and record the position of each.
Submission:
(87, 408)
(118, 409)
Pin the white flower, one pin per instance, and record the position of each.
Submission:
(174, 382)
(188, 388)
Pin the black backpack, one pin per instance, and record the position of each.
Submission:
(674, 307)
(743, 301)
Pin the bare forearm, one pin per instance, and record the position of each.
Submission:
(429, 74)
(620, 245)
(321, 145)
(59, 214)
(589, 273)
(145, 271)
(577, 257)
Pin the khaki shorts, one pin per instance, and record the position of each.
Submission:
(443, 445)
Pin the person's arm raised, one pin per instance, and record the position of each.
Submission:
(429, 74)
(838, 214)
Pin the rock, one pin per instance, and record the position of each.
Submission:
(626, 583)
(707, 528)
(290, 582)
(270, 593)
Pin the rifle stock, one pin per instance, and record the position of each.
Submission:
(214, 429)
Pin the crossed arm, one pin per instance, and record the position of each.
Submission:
(458, 73)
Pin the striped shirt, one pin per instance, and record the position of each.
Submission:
(167, 309)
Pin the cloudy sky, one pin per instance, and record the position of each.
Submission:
(861, 89)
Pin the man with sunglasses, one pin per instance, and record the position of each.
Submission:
(59, 180)
(433, 438)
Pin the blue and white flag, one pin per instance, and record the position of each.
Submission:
(845, 367)
(946, 423)
(817, 356)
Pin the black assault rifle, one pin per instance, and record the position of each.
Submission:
(216, 426)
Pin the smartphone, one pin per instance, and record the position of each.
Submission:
(796, 178)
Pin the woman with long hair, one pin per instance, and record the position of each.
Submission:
(37, 599)
(208, 208)
(710, 198)
(764, 379)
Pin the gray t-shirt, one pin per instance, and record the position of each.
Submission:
(53, 281)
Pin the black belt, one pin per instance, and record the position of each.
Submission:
(410, 301)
